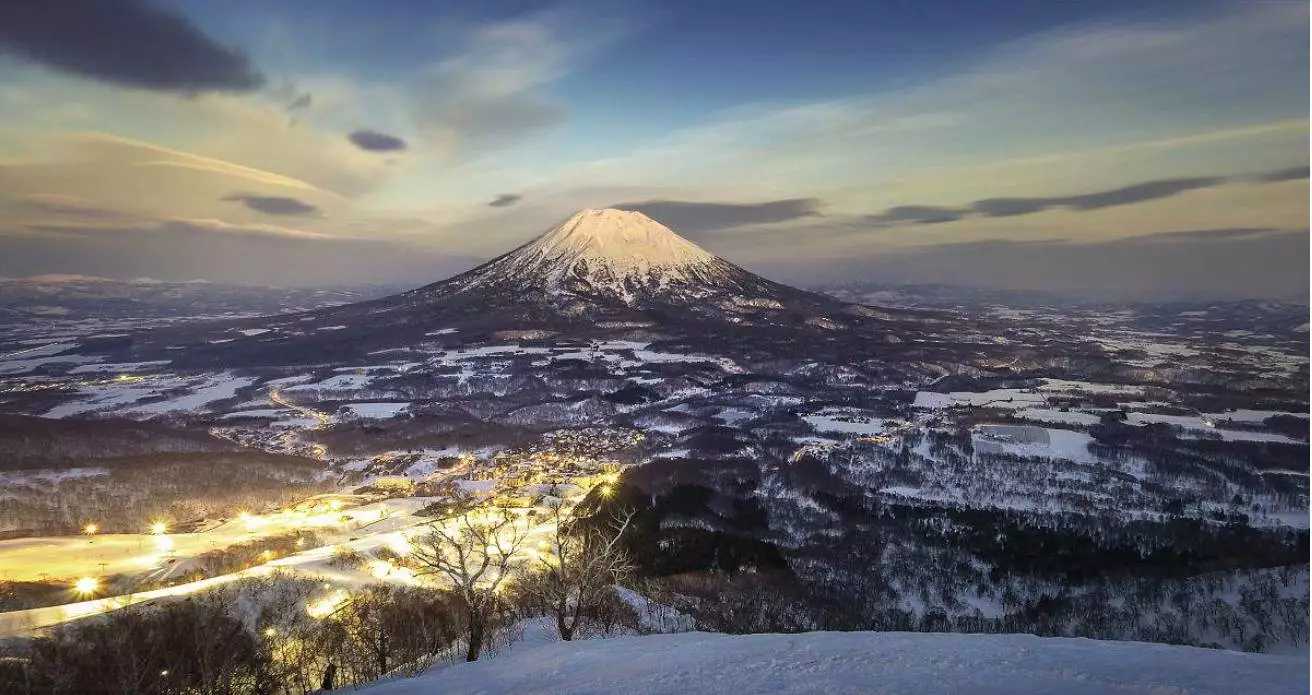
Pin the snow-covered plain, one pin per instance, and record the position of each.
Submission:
(860, 662)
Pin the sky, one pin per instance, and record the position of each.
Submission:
(1132, 150)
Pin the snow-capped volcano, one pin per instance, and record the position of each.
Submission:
(600, 274)
(619, 243)
(600, 254)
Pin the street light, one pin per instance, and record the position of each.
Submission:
(86, 586)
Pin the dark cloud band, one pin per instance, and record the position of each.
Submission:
(505, 200)
(254, 254)
(125, 42)
(273, 205)
(375, 141)
(703, 217)
(1126, 195)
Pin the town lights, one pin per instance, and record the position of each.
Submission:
(380, 569)
(86, 586)
(327, 605)
(399, 545)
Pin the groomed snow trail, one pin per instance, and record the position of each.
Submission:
(898, 663)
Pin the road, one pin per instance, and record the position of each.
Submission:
(324, 419)
(384, 521)
(389, 524)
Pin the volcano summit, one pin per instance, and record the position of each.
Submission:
(611, 258)
(603, 252)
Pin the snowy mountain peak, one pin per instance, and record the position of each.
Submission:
(617, 253)
(620, 240)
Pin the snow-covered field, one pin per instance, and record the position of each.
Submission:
(859, 662)
(845, 420)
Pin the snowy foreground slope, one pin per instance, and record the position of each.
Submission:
(862, 662)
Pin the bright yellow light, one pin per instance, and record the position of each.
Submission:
(325, 606)
(164, 543)
(399, 545)
(91, 529)
(334, 504)
(159, 528)
(270, 632)
(380, 569)
(605, 490)
(86, 586)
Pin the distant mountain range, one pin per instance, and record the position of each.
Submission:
(66, 296)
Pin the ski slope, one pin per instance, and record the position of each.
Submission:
(834, 663)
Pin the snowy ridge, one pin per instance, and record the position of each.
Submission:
(899, 663)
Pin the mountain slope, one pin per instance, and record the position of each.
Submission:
(611, 258)
(602, 274)
(861, 662)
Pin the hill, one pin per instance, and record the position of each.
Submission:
(861, 662)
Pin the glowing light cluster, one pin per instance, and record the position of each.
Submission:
(86, 586)
(399, 544)
(327, 605)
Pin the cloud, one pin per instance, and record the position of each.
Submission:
(1124, 195)
(219, 227)
(505, 200)
(98, 176)
(1191, 235)
(125, 42)
(685, 216)
(301, 102)
(1047, 108)
(65, 206)
(915, 214)
(492, 91)
(375, 141)
(104, 148)
(273, 205)
(182, 249)
(1191, 264)
(1290, 174)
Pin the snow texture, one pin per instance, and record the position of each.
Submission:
(861, 662)
(617, 249)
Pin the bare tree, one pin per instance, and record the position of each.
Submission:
(476, 551)
(577, 569)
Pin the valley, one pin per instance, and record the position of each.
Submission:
(964, 468)
(791, 461)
